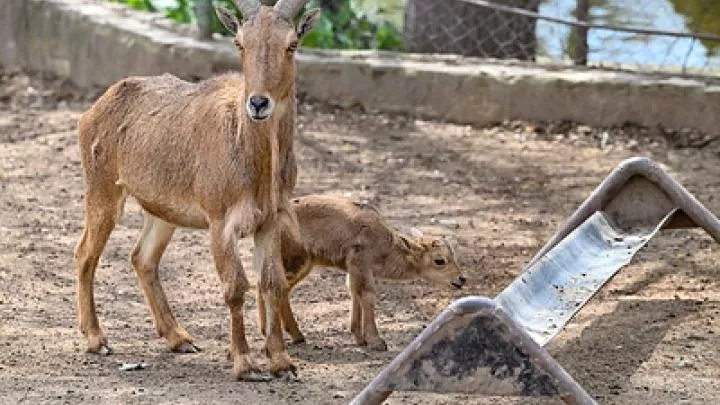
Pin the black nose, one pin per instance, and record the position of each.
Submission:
(258, 103)
(462, 279)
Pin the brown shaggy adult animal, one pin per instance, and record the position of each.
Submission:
(214, 155)
(354, 237)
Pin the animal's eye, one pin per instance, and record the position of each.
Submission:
(440, 261)
(292, 47)
(238, 44)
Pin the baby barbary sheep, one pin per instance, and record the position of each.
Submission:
(353, 237)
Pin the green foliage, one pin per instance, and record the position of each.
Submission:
(348, 29)
(344, 29)
(181, 12)
(702, 16)
(142, 5)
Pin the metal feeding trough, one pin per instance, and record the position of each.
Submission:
(495, 347)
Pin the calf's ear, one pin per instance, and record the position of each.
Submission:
(407, 246)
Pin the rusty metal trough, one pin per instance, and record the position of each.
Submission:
(494, 347)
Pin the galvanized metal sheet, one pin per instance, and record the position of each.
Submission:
(553, 289)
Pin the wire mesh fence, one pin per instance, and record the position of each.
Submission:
(470, 29)
(681, 36)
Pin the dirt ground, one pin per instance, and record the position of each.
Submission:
(500, 192)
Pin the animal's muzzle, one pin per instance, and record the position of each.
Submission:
(460, 282)
(259, 108)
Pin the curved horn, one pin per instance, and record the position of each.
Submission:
(248, 8)
(288, 8)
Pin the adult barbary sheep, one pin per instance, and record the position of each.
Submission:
(354, 237)
(214, 155)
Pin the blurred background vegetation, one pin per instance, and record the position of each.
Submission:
(378, 24)
(353, 24)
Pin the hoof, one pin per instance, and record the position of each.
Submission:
(102, 350)
(289, 372)
(98, 345)
(299, 340)
(288, 375)
(244, 369)
(378, 345)
(281, 365)
(186, 347)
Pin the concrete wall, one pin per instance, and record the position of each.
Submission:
(94, 45)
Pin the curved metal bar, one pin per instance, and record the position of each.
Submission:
(495, 347)
(616, 180)
(474, 347)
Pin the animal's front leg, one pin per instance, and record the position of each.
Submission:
(235, 285)
(268, 262)
(355, 311)
(362, 286)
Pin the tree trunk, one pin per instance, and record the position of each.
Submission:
(580, 34)
(204, 13)
(459, 27)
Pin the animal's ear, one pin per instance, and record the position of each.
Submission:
(407, 246)
(228, 19)
(307, 22)
(416, 233)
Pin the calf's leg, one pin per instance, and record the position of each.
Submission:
(362, 288)
(268, 261)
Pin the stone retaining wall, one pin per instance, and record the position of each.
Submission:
(94, 44)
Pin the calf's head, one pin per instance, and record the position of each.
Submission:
(267, 39)
(436, 262)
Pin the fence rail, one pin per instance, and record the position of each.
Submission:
(647, 36)
(679, 36)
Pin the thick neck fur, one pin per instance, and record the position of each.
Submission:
(262, 141)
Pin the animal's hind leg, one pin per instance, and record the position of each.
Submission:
(286, 315)
(156, 235)
(288, 318)
(101, 212)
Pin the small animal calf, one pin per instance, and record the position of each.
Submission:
(354, 237)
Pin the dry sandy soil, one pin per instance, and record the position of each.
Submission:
(651, 336)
